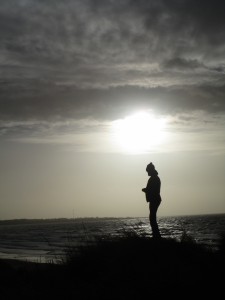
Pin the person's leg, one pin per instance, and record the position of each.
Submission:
(153, 207)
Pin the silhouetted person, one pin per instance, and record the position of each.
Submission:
(152, 193)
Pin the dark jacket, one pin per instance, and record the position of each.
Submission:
(153, 189)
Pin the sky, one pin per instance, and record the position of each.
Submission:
(91, 91)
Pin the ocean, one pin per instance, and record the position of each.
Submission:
(46, 240)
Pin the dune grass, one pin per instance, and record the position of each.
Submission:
(129, 266)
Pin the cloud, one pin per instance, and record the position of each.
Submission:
(102, 59)
(86, 32)
(183, 64)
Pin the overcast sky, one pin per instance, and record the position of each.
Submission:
(70, 69)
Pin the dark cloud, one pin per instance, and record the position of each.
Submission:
(102, 59)
(61, 103)
(111, 31)
(183, 64)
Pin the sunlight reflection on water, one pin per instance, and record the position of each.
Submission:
(45, 241)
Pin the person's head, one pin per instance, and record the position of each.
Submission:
(150, 169)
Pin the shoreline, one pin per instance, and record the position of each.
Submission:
(44, 243)
(120, 268)
(89, 219)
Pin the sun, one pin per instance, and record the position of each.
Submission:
(139, 133)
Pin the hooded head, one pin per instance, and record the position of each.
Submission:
(150, 169)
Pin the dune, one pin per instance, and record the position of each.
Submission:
(129, 267)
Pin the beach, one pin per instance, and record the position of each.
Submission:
(128, 267)
(112, 258)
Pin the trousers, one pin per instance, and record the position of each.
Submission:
(153, 207)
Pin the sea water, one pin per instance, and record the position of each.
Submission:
(46, 240)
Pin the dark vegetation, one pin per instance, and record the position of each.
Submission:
(127, 267)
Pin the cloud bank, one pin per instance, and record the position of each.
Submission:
(86, 59)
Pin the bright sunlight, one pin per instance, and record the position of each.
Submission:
(139, 133)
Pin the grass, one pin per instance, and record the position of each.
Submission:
(130, 266)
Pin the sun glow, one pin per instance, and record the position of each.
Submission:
(139, 133)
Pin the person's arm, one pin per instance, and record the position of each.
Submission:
(145, 191)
